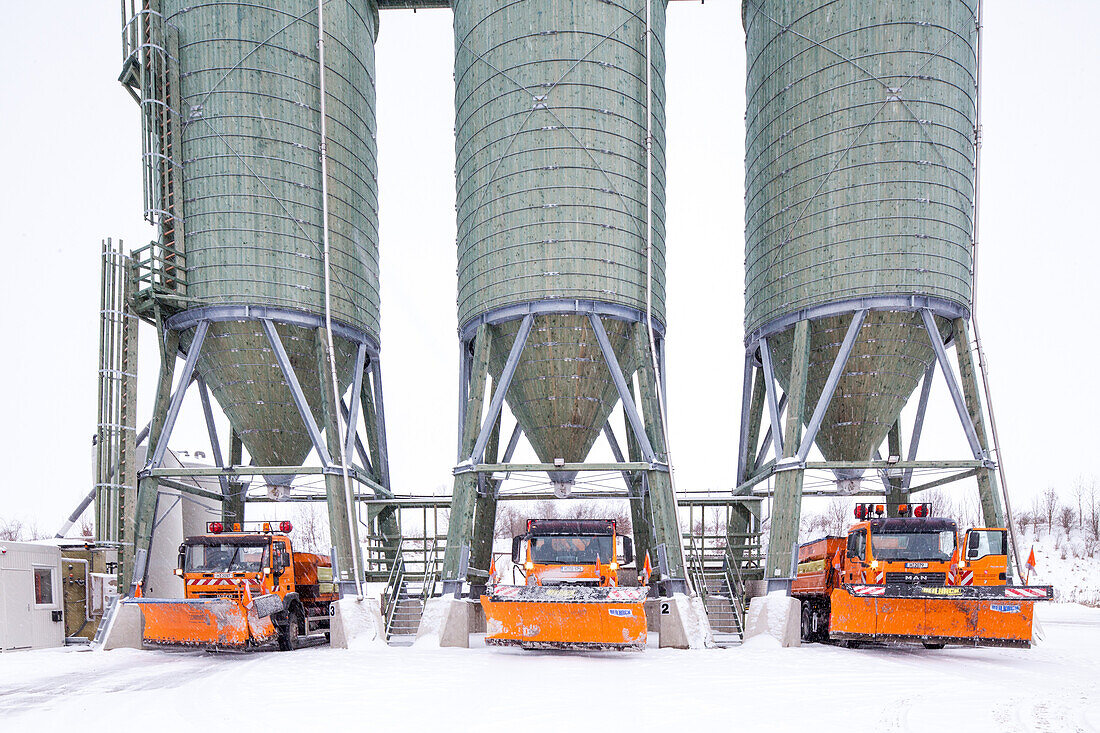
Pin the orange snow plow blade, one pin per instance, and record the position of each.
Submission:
(215, 623)
(970, 616)
(563, 617)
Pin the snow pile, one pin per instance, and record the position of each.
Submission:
(358, 624)
(693, 617)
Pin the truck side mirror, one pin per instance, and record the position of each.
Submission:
(974, 540)
(517, 545)
(972, 553)
(628, 550)
(282, 561)
(180, 558)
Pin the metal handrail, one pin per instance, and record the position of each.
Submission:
(392, 595)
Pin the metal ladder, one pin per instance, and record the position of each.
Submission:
(150, 52)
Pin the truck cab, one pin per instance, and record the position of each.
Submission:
(576, 552)
(899, 550)
(220, 563)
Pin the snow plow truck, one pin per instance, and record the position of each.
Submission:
(572, 598)
(909, 579)
(242, 590)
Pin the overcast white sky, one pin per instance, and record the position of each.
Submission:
(69, 152)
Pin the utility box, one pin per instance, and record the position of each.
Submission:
(87, 582)
(31, 598)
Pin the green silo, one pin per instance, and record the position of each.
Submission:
(560, 206)
(258, 123)
(249, 89)
(860, 143)
(550, 149)
(859, 189)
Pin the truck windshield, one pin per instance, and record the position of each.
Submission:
(573, 549)
(914, 545)
(226, 558)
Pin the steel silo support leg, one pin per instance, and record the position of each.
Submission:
(787, 502)
(344, 533)
(993, 513)
(233, 507)
(139, 535)
(662, 500)
(370, 428)
(641, 506)
(752, 416)
(464, 495)
(896, 493)
(485, 511)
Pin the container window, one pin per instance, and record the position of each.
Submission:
(43, 586)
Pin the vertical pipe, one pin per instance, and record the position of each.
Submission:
(349, 496)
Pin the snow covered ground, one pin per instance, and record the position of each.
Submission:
(1054, 686)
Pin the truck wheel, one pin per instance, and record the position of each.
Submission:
(807, 623)
(288, 636)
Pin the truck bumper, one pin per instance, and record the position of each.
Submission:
(969, 616)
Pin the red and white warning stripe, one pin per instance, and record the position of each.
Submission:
(626, 594)
(967, 578)
(1011, 592)
(223, 581)
(868, 590)
(880, 578)
(950, 576)
(507, 591)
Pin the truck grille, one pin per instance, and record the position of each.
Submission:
(921, 578)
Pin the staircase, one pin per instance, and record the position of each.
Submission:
(415, 565)
(719, 565)
(723, 604)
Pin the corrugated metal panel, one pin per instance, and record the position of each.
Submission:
(859, 139)
(251, 149)
(252, 191)
(859, 182)
(550, 152)
(550, 147)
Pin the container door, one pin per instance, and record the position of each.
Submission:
(18, 600)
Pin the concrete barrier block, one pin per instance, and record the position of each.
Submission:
(777, 615)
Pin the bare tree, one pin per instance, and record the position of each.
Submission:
(1095, 525)
(1080, 491)
(86, 527)
(1065, 518)
(11, 530)
(1023, 519)
(310, 528)
(838, 515)
(942, 505)
(1049, 506)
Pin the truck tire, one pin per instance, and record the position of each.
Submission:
(288, 635)
(807, 623)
